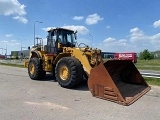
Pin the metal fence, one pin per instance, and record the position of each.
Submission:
(152, 75)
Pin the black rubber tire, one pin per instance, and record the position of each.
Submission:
(42, 75)
(38, 72)
(53, 71)
(75, 70)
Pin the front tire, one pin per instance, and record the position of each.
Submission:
(35, 70)
(69, 72)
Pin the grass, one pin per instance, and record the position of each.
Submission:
(13, 65)
(153, 81)
(148, 64)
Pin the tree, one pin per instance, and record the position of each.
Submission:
(151, 56)
(141, 55)
(146, 55)
(156, 54)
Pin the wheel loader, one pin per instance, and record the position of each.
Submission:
(115, 80)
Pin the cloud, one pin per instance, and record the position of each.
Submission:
(136, 41)
(11, 44)
(143, 41)
(155, 37)
(9, 35)
(93, 19)
(109, 40)
(13, 7)
(4, 41)
(81, 29)
(136, 34)
(156, 24)
(78, 18)
(21, 19)
(48, 28)
(112, 42)
(122, 40)
(108, 27)
(114, 45)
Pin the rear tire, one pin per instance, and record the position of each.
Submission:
(35, 70)
(69, 72)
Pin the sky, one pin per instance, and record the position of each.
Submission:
(110, 25)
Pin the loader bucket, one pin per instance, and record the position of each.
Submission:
(118, 81)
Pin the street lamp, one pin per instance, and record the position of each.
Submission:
(21, 44)
(92, 40)
(6, 49)
(35, 30)
(21, 50)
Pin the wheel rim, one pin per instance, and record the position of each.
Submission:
(64, 72)
(31, 68)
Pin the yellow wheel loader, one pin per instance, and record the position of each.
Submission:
(69, 62)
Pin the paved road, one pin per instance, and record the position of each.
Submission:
(25, 99)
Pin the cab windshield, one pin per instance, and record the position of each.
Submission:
(67, 38)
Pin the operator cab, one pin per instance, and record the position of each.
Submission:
(59, 38)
